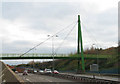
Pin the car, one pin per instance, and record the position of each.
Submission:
(41, 71)
(25, 72)
(16, 72)
(55, 72)
(35, 71)
(47, 71)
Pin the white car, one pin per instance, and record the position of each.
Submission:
(35, 71)
(16, 72)
(47, 71)
(25, 72)
(41, 71)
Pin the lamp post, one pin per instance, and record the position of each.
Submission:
(53, 48)
(33, 59)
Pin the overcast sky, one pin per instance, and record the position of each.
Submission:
(25, 24)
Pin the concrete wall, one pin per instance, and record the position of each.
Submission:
(7, 75)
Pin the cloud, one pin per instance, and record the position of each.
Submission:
(26, 24)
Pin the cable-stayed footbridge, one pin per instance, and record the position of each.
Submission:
(80, 56)
(11, 56)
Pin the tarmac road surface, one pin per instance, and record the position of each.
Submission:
(33, 78)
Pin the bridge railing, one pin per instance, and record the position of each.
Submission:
(31, 55)
(37, 55)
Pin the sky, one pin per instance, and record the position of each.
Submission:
(24, 24)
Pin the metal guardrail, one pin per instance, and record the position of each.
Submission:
(85, 80)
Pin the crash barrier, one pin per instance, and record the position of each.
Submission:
(8, 76)
(84, 79)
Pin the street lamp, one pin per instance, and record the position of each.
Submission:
(53, 48)
(33, 59)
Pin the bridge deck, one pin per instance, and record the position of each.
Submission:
(10, 58)
(49, 56)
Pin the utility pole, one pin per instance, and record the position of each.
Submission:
(78, 50)
(53, 53)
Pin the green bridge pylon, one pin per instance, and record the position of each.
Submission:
(80, 44)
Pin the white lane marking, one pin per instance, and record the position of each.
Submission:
(1, 75)
(48, 80)
(3, 70)
(45, 79)
(4, 80)
(27, 79)
(39, 77)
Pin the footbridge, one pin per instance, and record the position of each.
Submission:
(10, 56)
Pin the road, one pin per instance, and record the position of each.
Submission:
(43, 78)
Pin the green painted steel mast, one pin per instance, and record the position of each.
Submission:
(78, 50)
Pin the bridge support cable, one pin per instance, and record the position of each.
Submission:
(95, 42)
(65, 38)
(47, 39)
(91, 36)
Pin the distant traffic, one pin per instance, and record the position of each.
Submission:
(42, 72)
